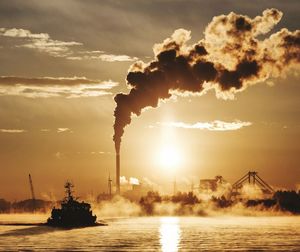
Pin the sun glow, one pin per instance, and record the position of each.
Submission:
(169, 157)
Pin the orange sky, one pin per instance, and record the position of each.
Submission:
(70, 58)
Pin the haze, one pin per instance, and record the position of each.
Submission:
(63, 62)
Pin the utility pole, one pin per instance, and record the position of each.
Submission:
(175, 187)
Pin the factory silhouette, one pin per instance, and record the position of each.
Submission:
(205, 185)
(267, 199)
(146, 197)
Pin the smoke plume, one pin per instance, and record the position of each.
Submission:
(229, 58)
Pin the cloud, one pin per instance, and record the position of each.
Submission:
(12, 80)
(46, 87)
(101, 55)
(113, 58)
(216, 125)
(60, 130)
(12, 130)
(58, 155)
(22, 33)
(45, 130)
(54, 48)
(42, 42)
(104, 152)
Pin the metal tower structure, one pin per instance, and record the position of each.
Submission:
(252, 178)
(174, 187)
(31, 188)
(109, 184)
(192, 186)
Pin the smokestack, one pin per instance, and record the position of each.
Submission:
(231, 57)
(228, 59)
(118, 172)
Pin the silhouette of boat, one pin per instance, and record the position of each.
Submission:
(72, 212)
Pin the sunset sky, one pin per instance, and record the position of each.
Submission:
(62, 62)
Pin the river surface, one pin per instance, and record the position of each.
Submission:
(156, 234)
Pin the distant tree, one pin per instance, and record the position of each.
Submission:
(4, 206)
(185, 198)
(288, 201)
(147, 202)
(221, 202)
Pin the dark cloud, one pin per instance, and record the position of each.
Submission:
(228, 59)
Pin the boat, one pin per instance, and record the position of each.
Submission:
(72, 212)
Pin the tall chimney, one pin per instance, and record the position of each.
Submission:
(118, 172)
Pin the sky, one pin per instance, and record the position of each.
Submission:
(62, 63)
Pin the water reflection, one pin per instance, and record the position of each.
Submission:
(169, 234)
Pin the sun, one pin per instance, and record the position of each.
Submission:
(169, 157)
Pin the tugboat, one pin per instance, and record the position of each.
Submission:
(72, 212)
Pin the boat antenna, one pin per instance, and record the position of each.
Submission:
(69, 190)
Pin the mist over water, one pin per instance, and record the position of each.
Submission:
(157, 234)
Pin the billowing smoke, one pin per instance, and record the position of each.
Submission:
(229, 58)
(130, 181)
(134, 181)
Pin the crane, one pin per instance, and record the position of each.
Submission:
(252, 178)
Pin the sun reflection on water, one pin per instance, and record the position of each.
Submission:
(169, 234)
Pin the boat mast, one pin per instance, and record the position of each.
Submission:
(69, 191)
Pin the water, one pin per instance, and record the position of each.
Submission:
(157, 234)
